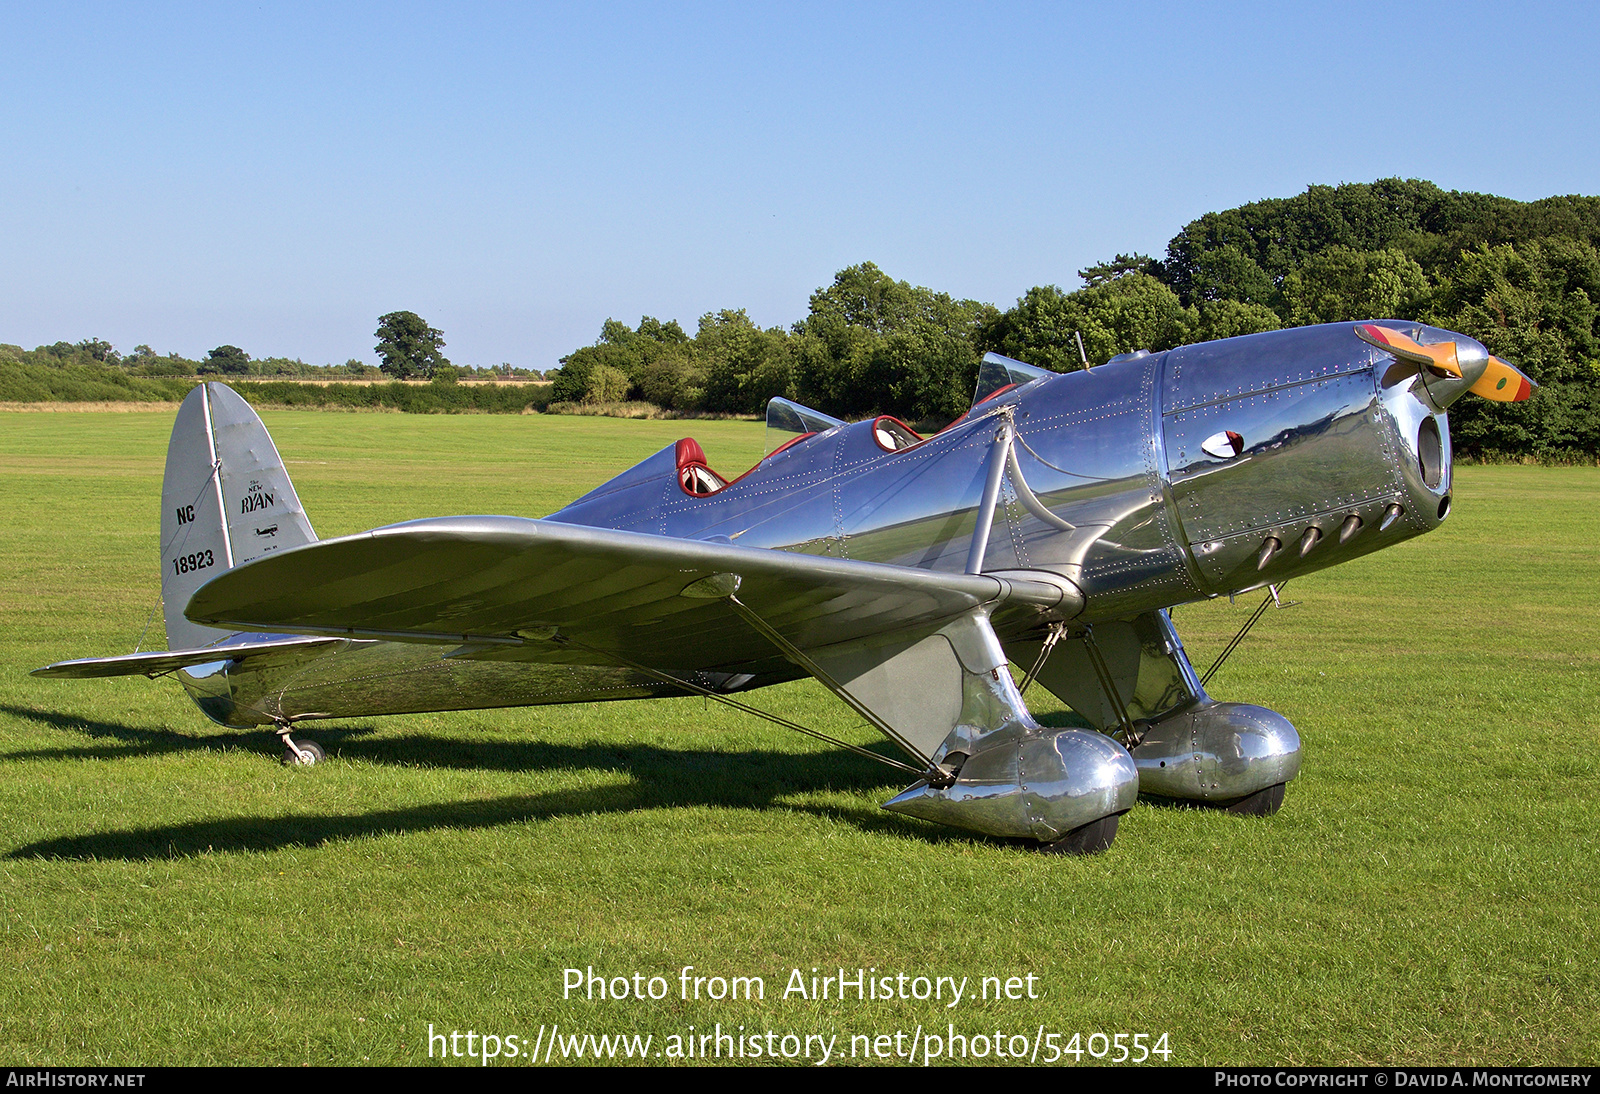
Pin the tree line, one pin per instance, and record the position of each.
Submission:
(93, 371)
(26, 377)
(1522, 277)
(230, 361)
(407, 347)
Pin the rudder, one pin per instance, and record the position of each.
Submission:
(225, 500)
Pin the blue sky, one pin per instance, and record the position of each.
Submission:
(277, 176)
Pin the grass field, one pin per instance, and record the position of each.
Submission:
(171, 895)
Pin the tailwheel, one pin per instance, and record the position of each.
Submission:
(1087, 839)
(301, 753)
(310, 753)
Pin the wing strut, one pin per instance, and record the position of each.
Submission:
(1270, 598)
(1102, 673)
(991, 494)
(775, 719)
(799, 657)
(1097, 660)
(1050, 640)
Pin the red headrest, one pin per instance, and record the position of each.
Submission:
(690, 453)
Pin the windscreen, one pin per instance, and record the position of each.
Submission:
(998, 372)
(787, 420)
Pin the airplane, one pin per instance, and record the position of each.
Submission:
(1051, 526)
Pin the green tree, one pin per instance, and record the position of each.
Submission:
(872, 343)
(658, 356)
(606, 385)
(1227, 318)
(408, 347)
(862, 296)
(744, 365)
(1339, 284)
(1133, 311)
(1532, 303)
(865, 299)
(1038, 329)
(100, 350)
(572, 381)
(572, 378)
(1228, 273)
(230, 360)
(1232, 254)
(675, 379)
(1101, 272)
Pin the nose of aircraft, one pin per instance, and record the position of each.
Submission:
(1430, 371)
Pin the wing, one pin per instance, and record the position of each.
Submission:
(160, 662)
(555, 592)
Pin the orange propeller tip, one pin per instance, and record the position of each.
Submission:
(1503, 382)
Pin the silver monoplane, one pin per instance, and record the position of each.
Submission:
(1050, 527)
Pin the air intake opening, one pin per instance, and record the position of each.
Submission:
(1430, 451)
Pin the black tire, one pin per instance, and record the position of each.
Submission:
(312, 754)
(1263, 803)
(1088, 839)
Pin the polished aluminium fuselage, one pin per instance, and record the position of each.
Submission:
(1328, 430)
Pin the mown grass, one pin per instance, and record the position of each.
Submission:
(170, 894)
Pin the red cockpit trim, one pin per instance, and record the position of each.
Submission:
(891, 418)
(692, 466)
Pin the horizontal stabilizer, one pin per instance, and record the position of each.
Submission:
(161, 662)
(565, 591)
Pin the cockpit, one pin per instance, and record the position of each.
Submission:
(694, 474)
(790, 424)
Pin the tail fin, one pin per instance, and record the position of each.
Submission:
(225, 500)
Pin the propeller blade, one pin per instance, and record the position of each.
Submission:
(1440, 357)
(1503, 382)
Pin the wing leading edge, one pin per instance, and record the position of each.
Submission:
(160, 662)
(562, 592)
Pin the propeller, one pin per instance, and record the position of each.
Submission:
(1501, 381)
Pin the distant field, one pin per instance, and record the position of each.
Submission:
(171, 895)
